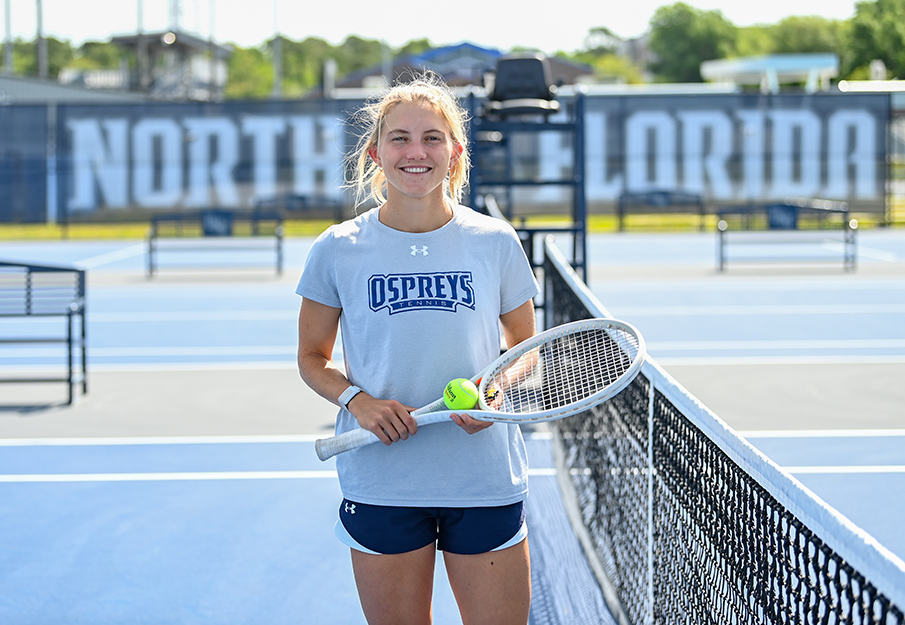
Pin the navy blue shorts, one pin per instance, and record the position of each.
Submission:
(466, 531)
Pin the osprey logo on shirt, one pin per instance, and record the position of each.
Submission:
(421, 291)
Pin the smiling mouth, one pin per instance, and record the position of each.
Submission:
(415, 170)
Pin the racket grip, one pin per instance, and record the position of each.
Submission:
(326, 448)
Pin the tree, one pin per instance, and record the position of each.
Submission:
(755, 40)
(808, 34)
(878, 32)
(98, 55)
(356, 54)
(415, 47)
(601, 40)
(25, 57)
(303, 65)
(250, 75)
(682, 37)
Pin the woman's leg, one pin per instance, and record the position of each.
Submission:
(396, 589)
(492, 588)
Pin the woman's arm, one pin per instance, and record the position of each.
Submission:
(318, 326)
(518, 325)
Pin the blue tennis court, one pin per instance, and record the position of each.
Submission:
(184, 487)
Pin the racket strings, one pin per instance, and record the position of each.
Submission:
(563, 371)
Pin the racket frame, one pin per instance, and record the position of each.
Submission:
(437, 412)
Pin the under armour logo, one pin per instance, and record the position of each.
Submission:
(350, 508)
(419, 250)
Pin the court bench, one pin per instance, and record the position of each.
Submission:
(660, 202)
(802, 223)
(216, 230)
(30, 297)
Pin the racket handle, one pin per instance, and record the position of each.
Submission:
(326, 448)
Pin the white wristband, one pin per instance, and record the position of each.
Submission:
(347, 396)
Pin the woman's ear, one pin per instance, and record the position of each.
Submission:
(456, 153)
(372, 152)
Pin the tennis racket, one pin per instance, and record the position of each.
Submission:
(552, 375)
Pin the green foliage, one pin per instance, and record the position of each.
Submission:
(250, 74)
(755, 41)
(25, 57)
(303, 64)
(681, 37)
(795, 35)
(878, 32)
(601, 41)
(355, 54)
(608, 67)
(98, 55)
(808, 34)
(415, 47)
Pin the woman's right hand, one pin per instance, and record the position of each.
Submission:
(388, 419)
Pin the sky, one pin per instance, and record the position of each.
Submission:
(502, 24)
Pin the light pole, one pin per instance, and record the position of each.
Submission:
(42, 42)
(277, 51)
(8, 44)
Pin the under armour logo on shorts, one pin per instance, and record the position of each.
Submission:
(350, 508)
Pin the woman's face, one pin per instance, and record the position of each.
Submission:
(415, 150)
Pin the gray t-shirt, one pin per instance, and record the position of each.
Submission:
(419, 309)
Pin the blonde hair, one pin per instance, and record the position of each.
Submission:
(426, 88)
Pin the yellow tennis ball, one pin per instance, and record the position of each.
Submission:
(460, 394)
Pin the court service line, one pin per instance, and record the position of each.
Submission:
(759, 310)
(195, 476)
(865, 252)
(842, 470)
(176, 351)
(111, 257)
(159, 440)
(765, 345)
(710, 361)
(860, 433)
(608, 288)
(187, 315)
(165, 477)
(253, 439)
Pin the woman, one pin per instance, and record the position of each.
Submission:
(421, 287)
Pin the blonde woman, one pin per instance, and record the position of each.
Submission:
(421, 288)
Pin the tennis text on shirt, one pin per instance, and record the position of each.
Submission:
(421, 291)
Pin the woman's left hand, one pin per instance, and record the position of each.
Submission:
(472, 426)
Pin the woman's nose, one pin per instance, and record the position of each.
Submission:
(415, 151)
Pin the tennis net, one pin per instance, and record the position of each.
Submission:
(683, 521)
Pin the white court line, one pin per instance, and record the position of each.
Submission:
(158, 440)
(866, 252)
(196, 476)
(165, 477)
(605, 288)
(185, 440)
(188, 315)
(174, 351)
(111, 257)
(710, 361)
(861, 433)
(127, 367)
(853, 469)
(766, 345)
(759, 310)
